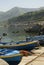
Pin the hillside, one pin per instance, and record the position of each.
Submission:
(18, 24)
(14, 12)
(30, 16)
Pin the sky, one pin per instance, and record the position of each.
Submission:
(5, 5)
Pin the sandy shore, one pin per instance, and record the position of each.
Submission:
(37, 59)
(2, 62)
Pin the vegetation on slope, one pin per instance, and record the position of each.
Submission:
(30, 16)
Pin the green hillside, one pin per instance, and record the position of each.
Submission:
(30, 16)
(19, 24)
(22, 24)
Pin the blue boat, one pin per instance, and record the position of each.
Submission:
(40, 38)
(20, 46)
(10, 55)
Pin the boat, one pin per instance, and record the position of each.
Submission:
(10, 55)
(20, 46)
(40, 38)
(41, 42)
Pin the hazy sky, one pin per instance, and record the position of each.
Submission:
(8, 4)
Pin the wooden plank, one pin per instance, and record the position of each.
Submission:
(34, 58)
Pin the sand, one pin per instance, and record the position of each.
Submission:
(37, 59)
(2, 62)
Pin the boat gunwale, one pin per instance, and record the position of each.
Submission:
(9, 56)
(27, 43)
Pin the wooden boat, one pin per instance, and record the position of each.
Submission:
(40, 38)
(20, 46)
(41, 42)
(10, 55)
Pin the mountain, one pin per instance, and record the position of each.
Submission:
(18, 19)
(27, 20)
(1, 14)
(29, 16)
(14, 12)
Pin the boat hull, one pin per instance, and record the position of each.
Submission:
(16, 59)
(41, 42)
(21, 46)
(25, 47)
(10, 55)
